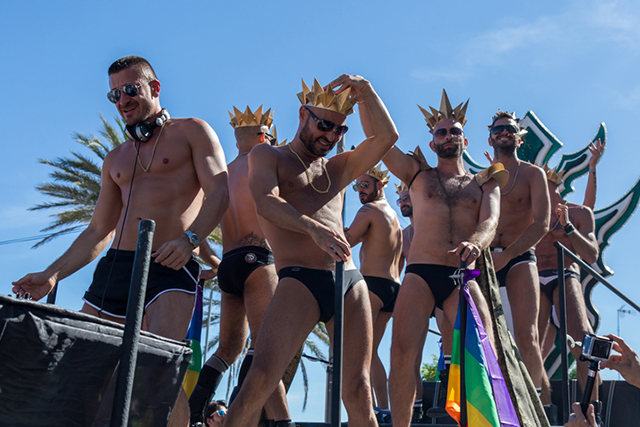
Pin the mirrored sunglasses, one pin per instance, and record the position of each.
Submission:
(131, 90)
(402, 199)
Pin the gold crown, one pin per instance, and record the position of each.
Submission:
(445, 113)
(500, 114)
(327, 99)
(248, 118)
(377, 173)
(275, 135)
(553, 175)
(400, 188)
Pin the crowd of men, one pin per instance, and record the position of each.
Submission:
(280, 211)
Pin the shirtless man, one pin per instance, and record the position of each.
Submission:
(299, 197)
(455, 217)
(180, 182)
(574, 227)
(246, 274)
(376, 226)
(524, 220)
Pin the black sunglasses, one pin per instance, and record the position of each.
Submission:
(327, 126)
(442, 132)
(131, 90)
(496, 130)
(402, 199)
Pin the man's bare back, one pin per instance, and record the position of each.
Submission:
(240, 223)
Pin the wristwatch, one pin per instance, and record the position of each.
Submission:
(193, 238)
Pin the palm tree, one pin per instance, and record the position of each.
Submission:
(75, 186)
(76, 182)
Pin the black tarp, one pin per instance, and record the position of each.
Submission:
(58, 368)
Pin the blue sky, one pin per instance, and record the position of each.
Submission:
(573, 63)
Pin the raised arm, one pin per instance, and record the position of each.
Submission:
(263, 182)
(401, 165)
(592, 182)
(211, 168)
(541, 208)
(377, 124)
(89, 244)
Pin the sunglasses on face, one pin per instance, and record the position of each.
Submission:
(131, 90)
(442, 132)
(497, 130)
(268, 137)
(327, 126)
(219, 412)
(403, 199)
(363, 184)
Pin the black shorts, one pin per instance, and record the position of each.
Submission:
(111, 298)
(385, 289)
(438, 279)
(549, 280)
(238, 264)
(322, 284)
(527, 257)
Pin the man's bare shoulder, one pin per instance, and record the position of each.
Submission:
(531, 171)
(265, 152)
(369, 209)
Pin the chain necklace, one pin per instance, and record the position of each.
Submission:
(515, 178)
(450, 197)
(153, 152)
(306, 171)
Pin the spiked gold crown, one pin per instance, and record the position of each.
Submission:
(553, 175)
(400, 188)
(327, 99)
(445, 113)
(377, 173)
(500, 114)
(258, 118)
(274, 132)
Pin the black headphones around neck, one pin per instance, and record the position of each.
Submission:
(142, 131)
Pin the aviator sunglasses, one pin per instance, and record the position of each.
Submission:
(131, 90)
(496, 130)
(363, 184)
(402, 199)
(327, 126)
(442, 132)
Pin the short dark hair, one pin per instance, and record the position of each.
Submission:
(141, 64)
(213, 407)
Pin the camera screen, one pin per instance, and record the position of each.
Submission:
(601, 349)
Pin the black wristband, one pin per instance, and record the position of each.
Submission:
(569, 229)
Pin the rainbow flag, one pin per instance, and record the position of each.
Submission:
(195, 335)
(488, 401)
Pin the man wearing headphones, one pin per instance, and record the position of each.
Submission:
(172, 171)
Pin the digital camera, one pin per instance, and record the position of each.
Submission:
(595, 348)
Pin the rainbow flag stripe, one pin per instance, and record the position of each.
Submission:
(195, 335)
(488, 401)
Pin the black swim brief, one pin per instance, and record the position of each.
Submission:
(322, 284)
(385, 289)
(238, 264)
(438, 279)
(527, 257)
(549, 280)
(111, 298)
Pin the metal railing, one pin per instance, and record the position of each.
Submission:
(562, 252)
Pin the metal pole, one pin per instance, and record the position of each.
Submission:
(463, 333)
(562, 315)
(133, 322)
(51, 298)
(336, 382)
